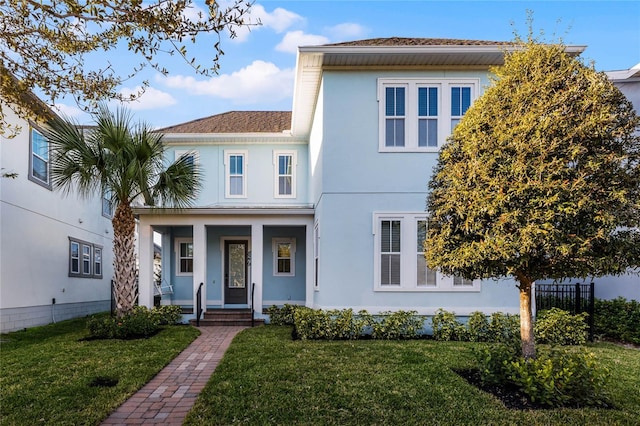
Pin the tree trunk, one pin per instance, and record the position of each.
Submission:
(526, 317)
(124, 260)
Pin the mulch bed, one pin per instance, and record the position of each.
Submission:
(510, 396)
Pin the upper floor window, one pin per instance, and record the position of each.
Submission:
(419, 114)
(236, 174)
(285, 182)
(39, 166)
(191, 156)
(399, 257)
(184, 256)
(107, 204)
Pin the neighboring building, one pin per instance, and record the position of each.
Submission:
(325, 206)
(55, 250)
(627, 286)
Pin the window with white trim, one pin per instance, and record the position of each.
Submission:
(285, 180)
(419, 114)
(107, 204)
(235, 174)
(85, 259)
(192, 156)
(184, 256)
(39, 167)
(399, 257)
(284, 257)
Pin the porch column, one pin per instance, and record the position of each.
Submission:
(256, 265)
(310, 265)
(199, 263)
(145, 264)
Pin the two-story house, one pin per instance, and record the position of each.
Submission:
(55, 249)
(325, 206)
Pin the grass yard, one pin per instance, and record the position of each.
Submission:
(46, 372)
(266, 378)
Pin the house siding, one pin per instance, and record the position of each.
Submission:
(35, 226)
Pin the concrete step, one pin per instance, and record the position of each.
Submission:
(212, 322)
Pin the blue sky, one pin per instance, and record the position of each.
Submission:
(257, 67)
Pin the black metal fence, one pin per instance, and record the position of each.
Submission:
(575, 298)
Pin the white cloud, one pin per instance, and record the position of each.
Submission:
(293, 39)
(69, 111)
(279, 21)
(150, 99)
(346, 31)
(260, 82)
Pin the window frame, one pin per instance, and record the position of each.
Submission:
(80, 258)
(189, 153)
(31, 176)
(177, 246)
(277, 175)
(107, 204)
(227, 172)
(412, 118)
(292, 256)
(408, 257)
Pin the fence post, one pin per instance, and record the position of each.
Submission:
(592, 310)
(577, 300)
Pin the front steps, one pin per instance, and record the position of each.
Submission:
(221, 317)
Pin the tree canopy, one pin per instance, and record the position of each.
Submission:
(44, 46)
(540, 179)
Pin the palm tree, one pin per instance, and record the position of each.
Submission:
(126, 161)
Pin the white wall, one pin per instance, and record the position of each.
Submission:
(35, 226)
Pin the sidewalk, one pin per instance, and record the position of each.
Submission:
(169, 396)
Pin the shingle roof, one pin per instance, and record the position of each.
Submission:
(236, 122)
(405, 41)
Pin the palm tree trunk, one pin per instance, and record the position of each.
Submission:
(526, 317)
(124, 263)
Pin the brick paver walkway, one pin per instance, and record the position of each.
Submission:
(169, 396)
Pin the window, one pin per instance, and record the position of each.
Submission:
(394, 115)
(236, 182)
(418, 114)
(399, 257)
(284, 250)
(390, 252)
(316, 253)
(460, 102)
(39, 160)
(107, 204)
(192, 156)
(85, 259)
(285, 182)
(184, 256)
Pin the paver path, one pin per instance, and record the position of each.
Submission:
(169, 396)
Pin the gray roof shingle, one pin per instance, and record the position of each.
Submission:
(236, 122)
(405, 41)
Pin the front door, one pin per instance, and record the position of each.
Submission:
(235, 272)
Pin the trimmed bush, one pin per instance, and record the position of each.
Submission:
(618, 319)
(556, 378)
(504, 328)
(558, 327)
(140, 322)
(396, 325)
(281, 316)
(478, 327)
(447, 327)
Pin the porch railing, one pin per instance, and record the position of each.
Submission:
(199, 304)
(575, 298)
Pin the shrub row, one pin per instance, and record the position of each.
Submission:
(557, 377)
(141, 322)
(553, 326)
(618, 319)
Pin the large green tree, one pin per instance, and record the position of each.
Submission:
(49, 47)
(125, 160)
(540, 179)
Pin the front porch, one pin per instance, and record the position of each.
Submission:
(244, 261)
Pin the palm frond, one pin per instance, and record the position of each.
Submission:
(179, 185)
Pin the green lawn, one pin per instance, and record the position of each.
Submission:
(266, 378)
(45, 372)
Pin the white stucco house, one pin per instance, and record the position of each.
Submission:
(324, 206)
(55, 250)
